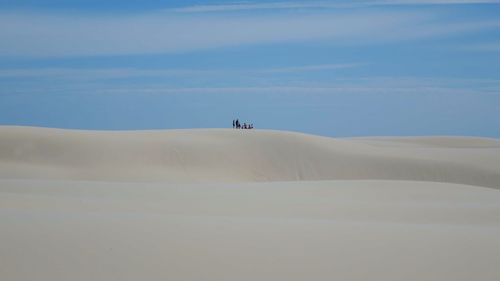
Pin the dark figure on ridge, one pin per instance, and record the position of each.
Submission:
(238, 125)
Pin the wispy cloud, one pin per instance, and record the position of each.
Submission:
(432, 2)
(55, 34)
(238, 6)
(118, 73)
(483, 47)
(96, 73)
(368, 86)
(62, 35)
(261, 6)
(93, 83)
(318, 67)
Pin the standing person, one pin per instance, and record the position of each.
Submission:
(234, 123)
(237, 124)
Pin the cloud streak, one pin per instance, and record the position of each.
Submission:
(93, 82)
(119, 73)
(97, 73)
(318, 67)
(60, 35)
(231, 7)
(260, 6)
(484, 47)
(433, 2)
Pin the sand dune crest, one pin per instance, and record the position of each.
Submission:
(225, 155)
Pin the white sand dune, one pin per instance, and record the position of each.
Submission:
(323, 230)
(226, 155)
(246, 205)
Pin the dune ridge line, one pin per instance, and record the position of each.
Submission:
(232, 156)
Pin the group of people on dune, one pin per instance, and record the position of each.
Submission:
(237, 125)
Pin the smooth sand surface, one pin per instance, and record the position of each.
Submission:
(246, 205)
(226, 155)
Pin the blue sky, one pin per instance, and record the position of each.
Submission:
(335, 68)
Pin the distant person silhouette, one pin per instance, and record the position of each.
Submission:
(234, 123)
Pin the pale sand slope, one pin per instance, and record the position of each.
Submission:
(323, 230)
(158, 217)
(226, 155)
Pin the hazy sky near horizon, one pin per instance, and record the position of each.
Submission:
(335, 68)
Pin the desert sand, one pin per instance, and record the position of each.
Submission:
(222, 204)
